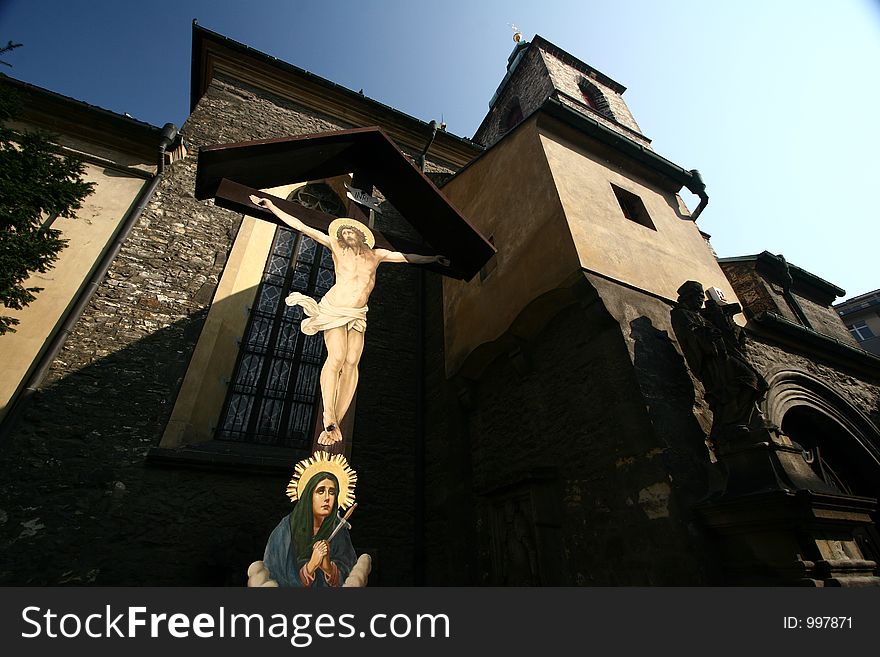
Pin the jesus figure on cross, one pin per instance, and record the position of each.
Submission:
(342, 313)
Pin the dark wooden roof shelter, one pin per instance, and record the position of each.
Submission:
(231, 172)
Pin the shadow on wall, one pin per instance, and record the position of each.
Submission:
(669, 390)
(80, 505)
(603, 459)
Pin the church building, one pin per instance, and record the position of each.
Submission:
(529, 415)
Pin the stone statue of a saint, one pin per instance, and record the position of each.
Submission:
(712, 346)
(342, 313)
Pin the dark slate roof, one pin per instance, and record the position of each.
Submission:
(802, 275)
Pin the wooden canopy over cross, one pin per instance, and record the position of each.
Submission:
(230, 173)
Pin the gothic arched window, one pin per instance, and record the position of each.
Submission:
(273, 393)
(593, 97)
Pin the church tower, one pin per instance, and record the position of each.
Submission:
(577, 418)
(538, 70)
(569, 185)
(583, 449)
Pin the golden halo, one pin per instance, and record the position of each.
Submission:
(342, 222)
(324, 462)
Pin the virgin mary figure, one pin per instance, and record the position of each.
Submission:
(311, 546)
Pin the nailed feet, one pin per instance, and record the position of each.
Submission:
(330, 435)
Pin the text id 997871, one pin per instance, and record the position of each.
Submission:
(817, 623)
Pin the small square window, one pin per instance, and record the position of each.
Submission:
(632, 207)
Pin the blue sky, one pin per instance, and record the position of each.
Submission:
(774, 101)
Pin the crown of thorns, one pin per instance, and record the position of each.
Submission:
(337, 226)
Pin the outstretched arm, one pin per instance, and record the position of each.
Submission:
(293, 222)
(412, 258)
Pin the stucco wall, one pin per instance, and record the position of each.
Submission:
(508, 194)
(656, 261)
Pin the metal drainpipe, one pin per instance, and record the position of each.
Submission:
(421, 159)
(419, 560)
(38, 373)
(698, 187)
(419, 557)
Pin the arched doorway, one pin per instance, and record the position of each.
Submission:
(833, 455)
(840, 443)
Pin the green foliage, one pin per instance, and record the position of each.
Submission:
(37, 182)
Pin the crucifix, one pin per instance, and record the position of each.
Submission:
(234, 173)
(341, 314)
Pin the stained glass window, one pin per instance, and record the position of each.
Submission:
(274, 393)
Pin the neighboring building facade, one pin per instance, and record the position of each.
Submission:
(121, 157)
(861, 315)
(535, 425)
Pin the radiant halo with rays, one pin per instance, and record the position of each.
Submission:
(324, 462)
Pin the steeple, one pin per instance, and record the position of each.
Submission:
(538, 70)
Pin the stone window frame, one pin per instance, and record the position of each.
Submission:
(273, 393)
(202, 395)
(595, 98)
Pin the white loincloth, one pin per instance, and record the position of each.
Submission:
(323, 315)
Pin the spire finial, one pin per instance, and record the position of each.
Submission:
(517, 35)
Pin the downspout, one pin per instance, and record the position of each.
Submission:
(420, 160)
(698, 187)
(419, 524)
(38, 373)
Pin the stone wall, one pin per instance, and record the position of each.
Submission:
(825, 320)
(754, 292)
(450, 522)
(759, 293)
(529, 85)
(581, 451)
(536, 77)
(567, 79)
(387, 426)
(862, 392)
